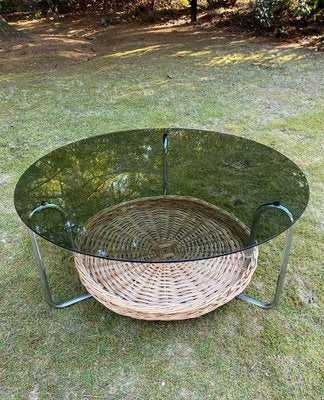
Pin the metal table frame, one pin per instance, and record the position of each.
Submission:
(252, 241)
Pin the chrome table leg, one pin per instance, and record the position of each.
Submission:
(43, 277)
(285, 255)
(281, 277)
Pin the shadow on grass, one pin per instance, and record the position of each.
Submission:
(48, 45)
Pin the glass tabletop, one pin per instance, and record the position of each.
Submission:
(60, 192)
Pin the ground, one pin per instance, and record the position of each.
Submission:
(67, 79)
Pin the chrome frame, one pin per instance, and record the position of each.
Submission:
(165, 144)
(252, 241)
(39, 261)
(285, 254)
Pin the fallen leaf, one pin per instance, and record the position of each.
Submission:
(33, 395)
(254, 365)
(161, 382)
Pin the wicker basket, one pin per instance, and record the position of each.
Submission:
(164, 229)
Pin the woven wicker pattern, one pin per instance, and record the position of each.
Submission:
(164, 228)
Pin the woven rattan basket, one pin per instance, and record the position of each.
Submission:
(164, 229)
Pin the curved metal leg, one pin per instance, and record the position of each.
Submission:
(281, 278)
(165, 143)
(44, 280)
(285, 255)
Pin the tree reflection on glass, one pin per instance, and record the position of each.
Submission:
(231, 172)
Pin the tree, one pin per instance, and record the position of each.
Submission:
(193, 4)
(6, 31)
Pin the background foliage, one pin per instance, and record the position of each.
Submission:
(261, 14)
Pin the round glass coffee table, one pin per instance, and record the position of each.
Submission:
(163, 223)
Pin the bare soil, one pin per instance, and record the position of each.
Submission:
(49, 43)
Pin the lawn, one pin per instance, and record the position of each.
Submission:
(89, 82)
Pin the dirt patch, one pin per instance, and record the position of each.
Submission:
(48, 44)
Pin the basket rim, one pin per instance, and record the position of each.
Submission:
(169, 308)
(188, 199)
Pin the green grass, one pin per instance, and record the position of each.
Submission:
(258, 90)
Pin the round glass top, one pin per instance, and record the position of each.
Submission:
(58, 194)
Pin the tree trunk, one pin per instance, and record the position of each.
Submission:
(6, 31)
(83, 5)
(152, 4)
(193, 4)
